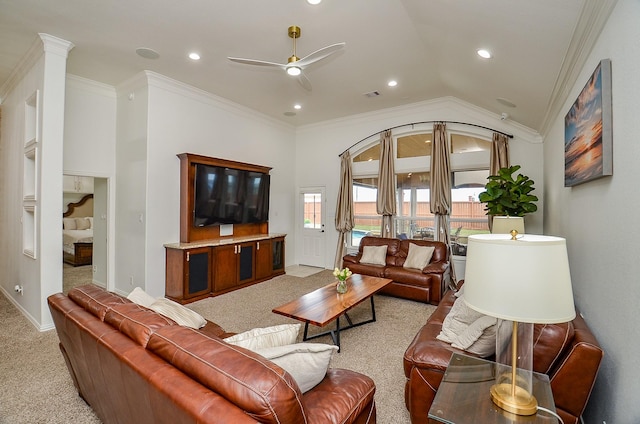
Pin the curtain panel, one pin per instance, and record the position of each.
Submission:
(344, 206)
(386, 201)
(440, 187)
(500, 158)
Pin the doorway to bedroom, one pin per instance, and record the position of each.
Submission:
(85, 231)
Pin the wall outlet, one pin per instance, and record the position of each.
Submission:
(95, 269)
(131, 280)
(18, 288)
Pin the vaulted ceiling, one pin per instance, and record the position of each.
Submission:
(428, 47)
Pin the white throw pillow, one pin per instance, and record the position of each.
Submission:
(258, 338)
(419, 256)
(465, 328)
(374, 255)
(82, 224)
(69, 223)
(141, 297)
(307, 363)
(178, 313)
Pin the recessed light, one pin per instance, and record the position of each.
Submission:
(392, 83)
(298, 107)
(147, 53)
(194, 56)
(484, 53)
(314, 1)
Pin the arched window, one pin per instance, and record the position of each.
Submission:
(470, 154)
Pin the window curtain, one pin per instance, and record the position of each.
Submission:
(499, 153)
(386, 202)
(344, 206)
(440, 187)
(499, 159)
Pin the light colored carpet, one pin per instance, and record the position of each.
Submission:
(75, 276)
(302, 270)
(36, 387)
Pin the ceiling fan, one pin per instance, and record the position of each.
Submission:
(295, 65)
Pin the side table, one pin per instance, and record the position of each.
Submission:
(463, 396)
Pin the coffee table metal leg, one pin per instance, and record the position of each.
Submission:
(335, 334)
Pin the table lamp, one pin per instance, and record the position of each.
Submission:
(524, 279)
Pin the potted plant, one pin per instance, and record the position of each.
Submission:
(509, 196)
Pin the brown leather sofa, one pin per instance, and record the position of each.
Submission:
(569, 353)
(132, 365)
(426, 285)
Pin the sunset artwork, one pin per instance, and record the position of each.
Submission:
(588, 138)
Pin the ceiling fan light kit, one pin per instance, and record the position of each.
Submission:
(295, 65)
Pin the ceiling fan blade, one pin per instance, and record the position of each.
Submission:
(319, 54)
(304, 82)
(256, 62)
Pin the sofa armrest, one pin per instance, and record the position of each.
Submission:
(574, 378)
(352, 258)
(436, 268)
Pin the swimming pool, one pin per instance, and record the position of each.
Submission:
(356, 236)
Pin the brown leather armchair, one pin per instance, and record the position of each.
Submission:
(569, 353)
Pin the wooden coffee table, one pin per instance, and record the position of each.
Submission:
(325, 304)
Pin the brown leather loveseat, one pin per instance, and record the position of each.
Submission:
(133, 365)
(426, 285)
(569, 353)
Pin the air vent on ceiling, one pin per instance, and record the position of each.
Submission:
(147, 53)
(372, 94)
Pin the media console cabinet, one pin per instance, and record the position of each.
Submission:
(208, 261)
(211, 267)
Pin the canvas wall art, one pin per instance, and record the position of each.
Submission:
(588, 136)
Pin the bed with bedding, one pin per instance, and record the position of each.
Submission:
(77, 232)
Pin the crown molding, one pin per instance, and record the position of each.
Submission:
(43, 43)
(591, 22)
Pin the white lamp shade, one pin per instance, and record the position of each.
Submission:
(524, 280)
(504, 224)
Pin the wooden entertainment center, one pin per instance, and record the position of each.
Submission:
(206, 261)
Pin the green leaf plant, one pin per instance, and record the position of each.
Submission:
(509, 196)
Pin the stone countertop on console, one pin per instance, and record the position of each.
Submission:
(222, 241)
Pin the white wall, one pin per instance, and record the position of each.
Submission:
(599, 221)
(183, 119)
(318, 147)
(131, 184)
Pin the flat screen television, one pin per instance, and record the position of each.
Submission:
(229, 196)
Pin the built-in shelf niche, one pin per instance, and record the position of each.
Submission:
(31, 118)
(30, 174)
(29, 230)
(30, 170)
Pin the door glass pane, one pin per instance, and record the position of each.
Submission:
(313, 210)
(414, 217)
(411, 146)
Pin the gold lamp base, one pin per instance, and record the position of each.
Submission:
(518, 401)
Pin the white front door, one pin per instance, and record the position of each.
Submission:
(311, 222)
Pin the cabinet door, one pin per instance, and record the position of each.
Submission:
(246, 268)
(226, 269)
(278, 256)
(197, 272)
(263, 259)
